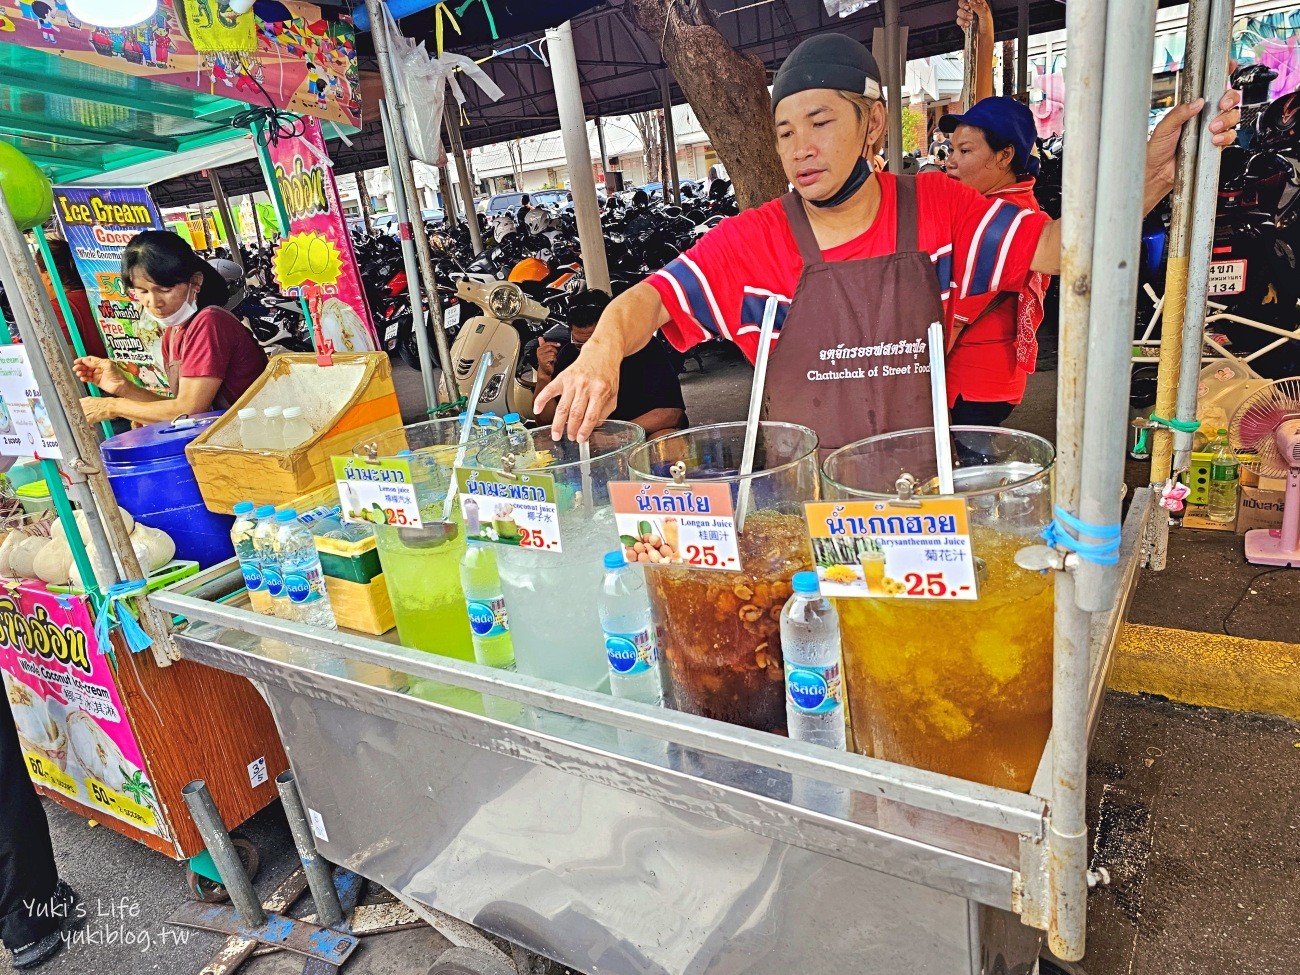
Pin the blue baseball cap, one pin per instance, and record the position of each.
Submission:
(1005, 118)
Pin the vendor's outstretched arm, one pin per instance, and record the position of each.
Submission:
(196, 396)
(587, 392)
(1159, 170)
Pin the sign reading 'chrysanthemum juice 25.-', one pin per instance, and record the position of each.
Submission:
(914, 550)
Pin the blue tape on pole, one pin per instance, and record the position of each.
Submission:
(1103, 552)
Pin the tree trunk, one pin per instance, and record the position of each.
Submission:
(726, 89)
(664, 172)
(364, 194)
(1009, 68)
(647, 127)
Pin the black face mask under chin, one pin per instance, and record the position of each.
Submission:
(857, 179)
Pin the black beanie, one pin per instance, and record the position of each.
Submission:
(833, 61)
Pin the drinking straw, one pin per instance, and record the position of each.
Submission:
(584, 455)
(755, 408)
(471, 407)
(939, 402)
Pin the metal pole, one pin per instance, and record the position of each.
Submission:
(573, 124)
(281, 211)
(224, 855)
(1180, 246)
(452, 121)
(1217, 42)
(670, 137)
(223, 208)
(401, 158)
(320, 878)
(412, 265)
(604, 153)
(1022, 48)
(363, 195)
(257, 224)
(894, 97)
(450, 207)
(89, 486)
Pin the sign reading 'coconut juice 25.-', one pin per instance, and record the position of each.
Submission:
(75, 735)
(98, 224)
(315, 259)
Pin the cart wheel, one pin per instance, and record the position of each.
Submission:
(1050, 965)
(207, 891)
(467, 961)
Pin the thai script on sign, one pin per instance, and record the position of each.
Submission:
(674, 502)
(304, 189)
(515, 492)
(841, 351)
(37, 633)
(384, 474)
(840, 524)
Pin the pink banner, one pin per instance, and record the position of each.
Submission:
(74, 732)
(316, 259)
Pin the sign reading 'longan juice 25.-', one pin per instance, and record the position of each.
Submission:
(98, 224)
(315, 258)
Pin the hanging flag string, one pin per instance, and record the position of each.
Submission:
(439, 12)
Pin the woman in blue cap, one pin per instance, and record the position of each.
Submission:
(993, 346)
(859, 263)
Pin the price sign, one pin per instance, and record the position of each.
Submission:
(123, 807)
(688, 524)
(25, 426)
(380, 492)
(518, 510)
(881, 549)
(1227, 278)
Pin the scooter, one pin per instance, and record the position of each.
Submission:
(510, 319)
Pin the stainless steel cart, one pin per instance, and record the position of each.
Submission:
(618, 838)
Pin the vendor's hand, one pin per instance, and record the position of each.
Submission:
(968, 10)
(1163, 143)
(99, 408)
(587, 393)
(100, 372)
(547, 353)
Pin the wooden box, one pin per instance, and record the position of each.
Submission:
(346, 403)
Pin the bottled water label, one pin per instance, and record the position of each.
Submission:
(814, 690)
(631, 653)
(488, 618)
(304, 582)
(253, 576)
(274, 581)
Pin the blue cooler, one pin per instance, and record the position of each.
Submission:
(152, 479)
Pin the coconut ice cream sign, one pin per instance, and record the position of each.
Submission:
(75, 735)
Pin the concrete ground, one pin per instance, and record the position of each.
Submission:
(1195, 811)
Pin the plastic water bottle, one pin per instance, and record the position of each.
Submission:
(241, 534)
(267, 559)
(1224, 474)
(306, 599)
(489, 622)
(810, 643)
(629, 633)
(520, 441)
(251, 429)
(296, 428)
(273, 428)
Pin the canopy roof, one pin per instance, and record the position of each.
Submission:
(619, 66)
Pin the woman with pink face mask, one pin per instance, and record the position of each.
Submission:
(209, 356)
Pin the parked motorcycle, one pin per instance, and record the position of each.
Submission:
(510, 320)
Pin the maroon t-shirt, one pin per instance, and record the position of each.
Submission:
(214, 344)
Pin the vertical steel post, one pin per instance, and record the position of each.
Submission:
(320, 878)
(1218, 39)
(224, 855)
(894, 96)
(223, 208)
(604, 153)
(452, 120)
(1022, 49)
(281, 211)
(1067, 835)
(411, 264)
(577, 150)
(1180, 245)
(670, 138)
(450, 207)
(401, 162)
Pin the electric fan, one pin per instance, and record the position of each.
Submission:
(1267, 424)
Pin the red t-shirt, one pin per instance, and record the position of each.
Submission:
(215, 344)
(978, 245)
(992, 359)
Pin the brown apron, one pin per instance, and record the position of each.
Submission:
(853, 359)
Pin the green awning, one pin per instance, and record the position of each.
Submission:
(76, 121)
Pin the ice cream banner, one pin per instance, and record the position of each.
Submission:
(316, 258)
(918, 549)
(25, 427)
(300, 62)
(98, 224)
(74, 733)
